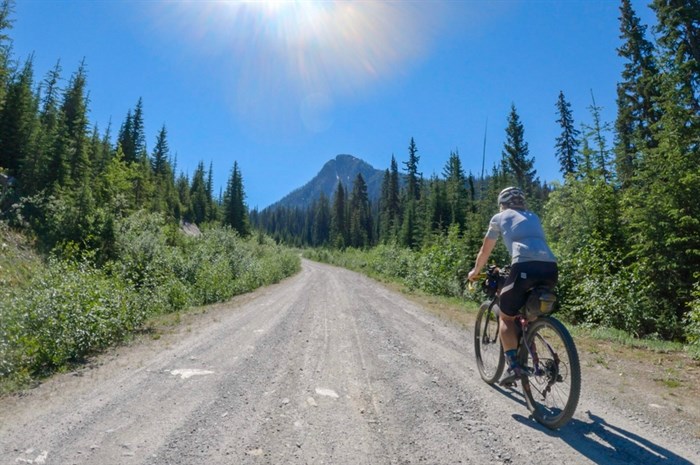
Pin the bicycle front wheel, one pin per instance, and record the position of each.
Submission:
(487, 344)
(553, 388)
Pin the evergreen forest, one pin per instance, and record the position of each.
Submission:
(624, 223)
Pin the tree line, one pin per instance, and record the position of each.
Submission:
(625, 222)
(67, 181)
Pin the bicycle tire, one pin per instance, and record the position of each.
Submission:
(553, 391)
(487, 344)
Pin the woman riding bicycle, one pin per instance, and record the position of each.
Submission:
(532, 263)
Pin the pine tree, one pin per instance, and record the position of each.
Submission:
(235, 209)
(597, 131)
(360, 214)
(125, 139)
(412, 181)
(567, 143)
(339, 226)
(515, 156)
(132, 136)
(74, 128)
(165, 198)
(213, 207)
(18, 125)
(6, 70)
(408, 234)
(320, 234)
(678, 32)
(161, 153)
(438, 215)
(198, 195)
(390, 204)
(637, 94)
(185, 210)
(138, 132)
(384, 224)
(457, 196)
(48, 130)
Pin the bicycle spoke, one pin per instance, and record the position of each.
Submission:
(553, 388)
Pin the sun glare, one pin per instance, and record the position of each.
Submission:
(305, 50)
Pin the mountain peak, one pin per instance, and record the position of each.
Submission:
(343, 168)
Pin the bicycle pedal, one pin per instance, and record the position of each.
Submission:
(509, 384)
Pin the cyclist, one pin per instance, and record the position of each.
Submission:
(532, 262)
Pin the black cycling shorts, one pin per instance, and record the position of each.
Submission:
(523, 277)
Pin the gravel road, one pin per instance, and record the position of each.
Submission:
(327, 367)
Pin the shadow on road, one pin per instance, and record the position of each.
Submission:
(600, 441)
(604, 443)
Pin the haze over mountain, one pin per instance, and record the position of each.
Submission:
(342, 168)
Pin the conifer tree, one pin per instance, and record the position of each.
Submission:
(567, 142)
(198, 195)
(213, 207)
(138, 132)
(516, 160)
(18, 124)
(384, 224)
(637, 94)
(75, 123)
(678, 32)
(438, 211)
(339, 227)
(597, 131)
(456, 194)
(48, 132)
(161, 153)
(408, 235)
(236, 211)
(390, 204)
(360, 214)
(165, 198)
(6, 70)
(412, 175)
(125, 139)
(184, 206)
(320, 234)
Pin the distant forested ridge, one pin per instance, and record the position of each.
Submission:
(625, 223)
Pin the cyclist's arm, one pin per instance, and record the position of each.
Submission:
(482, 257)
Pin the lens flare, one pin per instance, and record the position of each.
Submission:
(281, 55)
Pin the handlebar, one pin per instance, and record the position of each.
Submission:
(473, 283)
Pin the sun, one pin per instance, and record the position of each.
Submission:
(313, 52)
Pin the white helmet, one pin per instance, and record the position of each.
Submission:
(512, 197)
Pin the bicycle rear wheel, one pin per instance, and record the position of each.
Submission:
(487, 345)
(552, 390)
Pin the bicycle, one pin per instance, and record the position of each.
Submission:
(551, 381)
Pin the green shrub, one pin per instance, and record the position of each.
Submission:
(69, 311)
(595, 288)
(692, 320)
(72, 308)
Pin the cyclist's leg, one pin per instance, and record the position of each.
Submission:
(511, 299)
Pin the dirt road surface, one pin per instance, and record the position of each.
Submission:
(327, 367)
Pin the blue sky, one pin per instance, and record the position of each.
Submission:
(281, 87)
